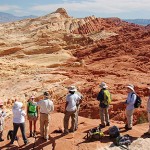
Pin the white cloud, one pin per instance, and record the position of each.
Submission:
(98, 6)
(8, 7)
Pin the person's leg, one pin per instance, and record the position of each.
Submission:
(16, 126)
(149, 122)
(66, 121)
(22, 128)
(101, 111)
(76, 122)
(30, 127)
(129, 114)
(35, 127)
(47, 121)
(73, 121)
(106, 116)
(42, 125)
(1, 134)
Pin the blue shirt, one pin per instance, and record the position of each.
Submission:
(130, 101)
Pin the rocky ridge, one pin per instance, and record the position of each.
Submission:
(54, 51)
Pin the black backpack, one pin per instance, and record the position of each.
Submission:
(138, 101)
(114, 132)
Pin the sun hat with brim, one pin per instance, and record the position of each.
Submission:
(32, 97)
(103, 85)
(131, 87)
(18, 105)
(72, 88)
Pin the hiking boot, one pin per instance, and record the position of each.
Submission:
(30, 134)
(34, 133)
(107, 124)
(102, 125)
(66, 131)
(71, 130)
(129, 128)
(126, 126)
(146, 133)
(1, 139)
(26, 142)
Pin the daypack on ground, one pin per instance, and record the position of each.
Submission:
(138, 101)
(95, 134)
(122, 140)
(114, 132)
(107, 97)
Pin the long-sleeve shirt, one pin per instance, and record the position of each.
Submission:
(148, 105)
(46, 106)
(130, 101)
(18, 115)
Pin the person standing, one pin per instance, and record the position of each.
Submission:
(18, 121)
(2, 116)
(148, 110)
(72, 99)
(78, 104)
(104, 97)
(130, 106)
(32, 115)
(46, 106)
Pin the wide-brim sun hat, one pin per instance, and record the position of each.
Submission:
(18, 105)
(72, 88)
(103, 85)
(131, 87)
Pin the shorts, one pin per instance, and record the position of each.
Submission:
(32, 118)
(1, 128)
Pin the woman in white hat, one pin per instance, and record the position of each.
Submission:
(130, 106)
(18, 121)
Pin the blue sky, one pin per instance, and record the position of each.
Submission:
(131, 9)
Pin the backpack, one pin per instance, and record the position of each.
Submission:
(122, 140)
(114, 132)
(107, 97)
(138, 101)
(32, 108)
(95, 134)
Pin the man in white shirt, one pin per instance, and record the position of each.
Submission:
(72, 100)
(46, 106)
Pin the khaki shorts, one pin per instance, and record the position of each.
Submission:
(32, 118)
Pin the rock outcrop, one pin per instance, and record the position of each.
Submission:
(48, 53)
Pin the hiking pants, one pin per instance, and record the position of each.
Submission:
(76, 121)
(44, 125)
(67, 116)
(104, 115)
(1, 134)
(22, 128)
(129, 115)
(149, 121)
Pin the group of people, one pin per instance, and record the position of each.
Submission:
(104, 97)
(73, 100)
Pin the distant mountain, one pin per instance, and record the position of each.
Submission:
(6, 17)
(143, 22)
